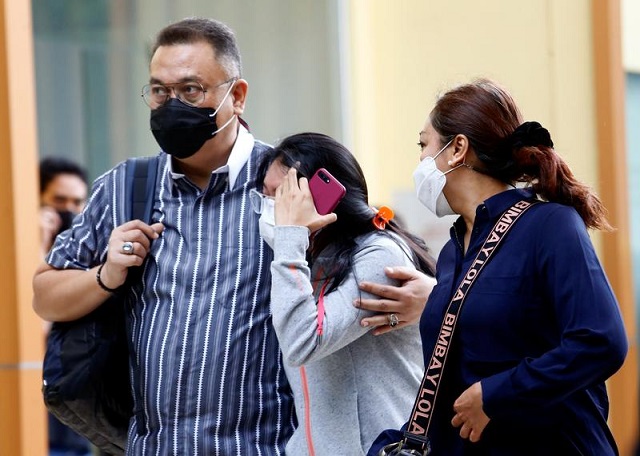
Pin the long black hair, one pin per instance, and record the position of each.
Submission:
(308, 152)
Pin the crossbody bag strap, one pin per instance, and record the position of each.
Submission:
(418, 426)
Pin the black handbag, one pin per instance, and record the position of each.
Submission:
(416, 438)
(85, 376)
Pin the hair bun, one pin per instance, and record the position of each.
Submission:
(529, 134)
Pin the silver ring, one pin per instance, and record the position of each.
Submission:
(393, 320)
(127, 248)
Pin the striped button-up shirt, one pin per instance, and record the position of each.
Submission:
(206, 360)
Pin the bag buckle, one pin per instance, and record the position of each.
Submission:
(402, 448)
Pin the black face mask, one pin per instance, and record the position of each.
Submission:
(181, 130)
(66, 217)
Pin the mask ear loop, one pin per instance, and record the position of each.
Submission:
(220, 106)
(224, 126)
(442, 150)
(456, 167)
(451, 161)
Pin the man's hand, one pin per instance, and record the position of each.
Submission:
(68, 294)
(406, 301)
(50, 223)
(140, 235)
(470, 417)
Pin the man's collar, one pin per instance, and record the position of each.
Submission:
(239, 155)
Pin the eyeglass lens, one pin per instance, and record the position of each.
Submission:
(191, 93)
(257, 200)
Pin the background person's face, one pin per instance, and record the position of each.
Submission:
(66, 192)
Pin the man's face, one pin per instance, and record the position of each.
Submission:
(66, 192)
(195, 62)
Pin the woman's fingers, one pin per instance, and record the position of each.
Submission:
(469, 415)
(295, 206)
(406, 301)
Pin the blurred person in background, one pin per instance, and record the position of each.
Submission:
(63, 194)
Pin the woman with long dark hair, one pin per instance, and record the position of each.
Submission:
(539, 330)
(348, 384)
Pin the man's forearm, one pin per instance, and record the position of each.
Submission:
(65, 295)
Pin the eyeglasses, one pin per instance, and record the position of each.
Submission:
(258, 200)
(191, 93)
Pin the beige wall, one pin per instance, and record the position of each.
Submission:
(405, 52)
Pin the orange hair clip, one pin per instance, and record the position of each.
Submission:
(382, 217)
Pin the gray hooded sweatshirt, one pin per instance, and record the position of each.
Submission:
(356, 384)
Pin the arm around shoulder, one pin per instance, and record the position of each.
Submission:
(406, 300)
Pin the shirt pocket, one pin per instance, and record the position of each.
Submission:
(507, 313)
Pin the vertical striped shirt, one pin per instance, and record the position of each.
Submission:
(206, 360)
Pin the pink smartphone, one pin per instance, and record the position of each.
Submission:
(326, 191)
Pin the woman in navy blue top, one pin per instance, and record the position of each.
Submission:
(540, 330)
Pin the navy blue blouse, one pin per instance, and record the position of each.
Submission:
(540, 328)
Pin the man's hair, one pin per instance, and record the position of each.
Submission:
(51, 167)
(195, 29)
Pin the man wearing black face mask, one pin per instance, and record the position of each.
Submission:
(63, 194)
(209, 368)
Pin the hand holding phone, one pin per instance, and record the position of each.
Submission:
(326, 191)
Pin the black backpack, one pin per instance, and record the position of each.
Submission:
(85, 377)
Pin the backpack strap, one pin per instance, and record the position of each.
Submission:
(140, 187)
(139, 192)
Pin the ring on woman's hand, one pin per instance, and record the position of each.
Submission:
(393, 320)
(127, 248)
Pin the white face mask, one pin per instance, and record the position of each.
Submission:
(429, 182)
(267, 221)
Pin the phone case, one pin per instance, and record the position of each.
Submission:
(326, 191)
